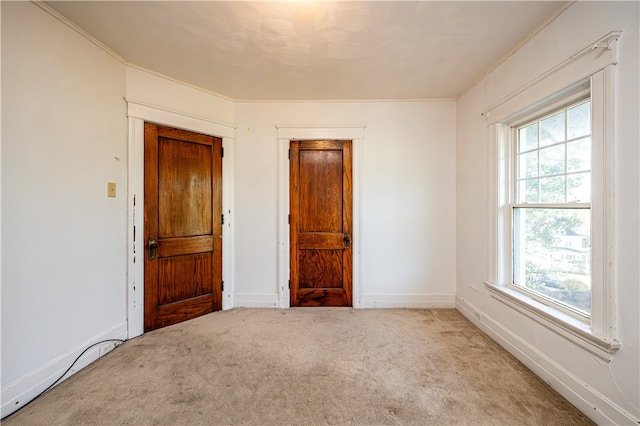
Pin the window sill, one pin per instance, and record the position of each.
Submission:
(564, 325)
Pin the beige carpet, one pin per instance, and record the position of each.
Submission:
(306, 366)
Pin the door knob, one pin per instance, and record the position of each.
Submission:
(347, 241)
(153, 247)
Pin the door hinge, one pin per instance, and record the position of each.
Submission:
(289, 284)
(222, 286)
(222, 218)
(289, 220)
(289, 154)
(222, 152)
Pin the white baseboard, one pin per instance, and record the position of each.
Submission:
(255, 300)
(22, 390)
(413, 301)
(592, 403)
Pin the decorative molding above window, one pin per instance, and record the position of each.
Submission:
(564, 76)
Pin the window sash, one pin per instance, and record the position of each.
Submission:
(515, 260)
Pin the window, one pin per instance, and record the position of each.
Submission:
(550, 204)
(551, 198)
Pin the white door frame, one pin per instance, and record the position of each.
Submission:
(287, 133)
(139, 112)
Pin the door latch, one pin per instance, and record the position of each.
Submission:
(153, 248)
(347, 241)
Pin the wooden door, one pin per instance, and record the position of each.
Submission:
(182, 225)
(320, 223)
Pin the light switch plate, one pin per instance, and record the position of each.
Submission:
(111, 189)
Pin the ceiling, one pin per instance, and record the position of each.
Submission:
(315, 50)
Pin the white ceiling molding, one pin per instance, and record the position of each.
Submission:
(79, 30)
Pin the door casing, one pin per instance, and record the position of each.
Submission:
(138, 113)
(286, 133)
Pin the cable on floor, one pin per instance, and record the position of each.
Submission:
(119, 341)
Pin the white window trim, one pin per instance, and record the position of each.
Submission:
(595, 63)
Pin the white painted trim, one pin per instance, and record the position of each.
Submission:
(343, 101)
(20, 391)
(515, 48)
(1, 328)
(592, 403)
(228, 229)
(411, 301)
(564, 325)
(138, 113)
(45, 7)
(602, 203)
(580, 66)
(357, 244)
(285, 134)
(180, 82)
(283, 228)
(256, 300)
(135, 227)
(162, 115)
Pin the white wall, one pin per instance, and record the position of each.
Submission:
(64, 136)
(161, 92)
(607, 392)
(408, 197)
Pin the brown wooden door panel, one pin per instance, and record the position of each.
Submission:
(185, 188)
(320, 269)
(320, 191)
(322, 297)
(319, 240)
(180, 246)
(183, 197)
(184, 310)
(320, 205)
(184, 277)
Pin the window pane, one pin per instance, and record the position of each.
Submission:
(552, 190)
(579, 120)
(552, 254)
(528, 166)
(552, 129)
(579, 187)
(579, 155)
(528, 137)
(528, 191)
(552, 160)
